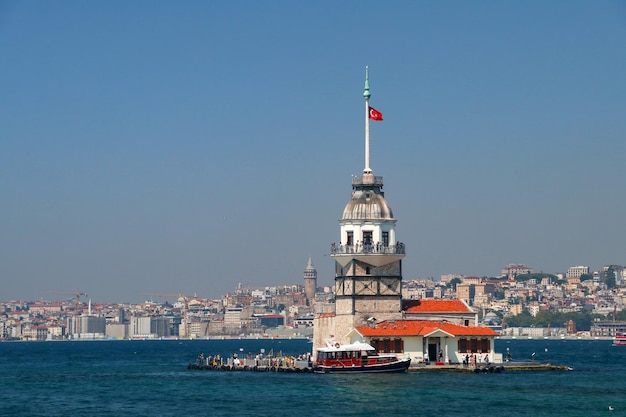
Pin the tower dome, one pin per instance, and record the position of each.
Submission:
(367, 205)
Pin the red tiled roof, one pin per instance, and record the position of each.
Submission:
(439, 306)
(422, 328)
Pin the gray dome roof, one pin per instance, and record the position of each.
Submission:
(367, 205)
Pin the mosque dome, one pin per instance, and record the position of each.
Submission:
(367, 205)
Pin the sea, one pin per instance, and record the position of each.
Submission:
(150, 378)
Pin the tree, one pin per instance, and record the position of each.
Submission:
(453, 283)
(609, 277)
(524, 319)
(582, 319)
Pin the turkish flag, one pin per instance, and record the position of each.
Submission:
(375, 114)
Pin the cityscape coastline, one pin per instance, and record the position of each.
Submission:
(287, 312)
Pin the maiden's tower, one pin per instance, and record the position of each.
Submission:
(368, 257)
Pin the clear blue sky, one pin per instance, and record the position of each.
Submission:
(171, 147)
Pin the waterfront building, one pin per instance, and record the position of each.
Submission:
(429, 340)
(608, 328)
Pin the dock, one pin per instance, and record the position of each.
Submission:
(254, 368)
(490, 368)
(306, 367)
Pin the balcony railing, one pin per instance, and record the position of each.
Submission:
(336, 249)
(365, 180)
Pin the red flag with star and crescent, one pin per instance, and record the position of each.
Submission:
(375, 114)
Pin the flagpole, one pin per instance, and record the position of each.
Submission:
(367, 95)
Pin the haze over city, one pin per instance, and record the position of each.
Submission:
(188, 147)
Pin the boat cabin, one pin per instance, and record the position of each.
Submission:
(354, 354)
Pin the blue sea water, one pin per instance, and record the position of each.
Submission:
(150, 378)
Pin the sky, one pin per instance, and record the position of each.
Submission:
(155, 147)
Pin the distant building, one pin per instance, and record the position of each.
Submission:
(310, 282)
(465, 292)
(445, 278)
(271, 320)
(577, 271)
(513, 270)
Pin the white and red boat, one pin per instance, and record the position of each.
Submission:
(357, 357)
(619, 340)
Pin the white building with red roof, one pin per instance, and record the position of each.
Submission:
(427, 341)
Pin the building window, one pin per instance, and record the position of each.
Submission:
(473, 345)
(462, 345)
(485, 345)
(349, 238)
(388, 345)
(385, 239)
(367, 238)
(399, 346)
(468, 345)
(367, 270)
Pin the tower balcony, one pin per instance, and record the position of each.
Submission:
(367, 179)
(377, 255)
(336, 249)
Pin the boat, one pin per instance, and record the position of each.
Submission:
(620, 339)
(357, 358)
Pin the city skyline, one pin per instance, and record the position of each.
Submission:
(166, 148)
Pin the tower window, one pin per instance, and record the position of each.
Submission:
(367, 270)
(349, 239)
(385, 239)
(367, 238)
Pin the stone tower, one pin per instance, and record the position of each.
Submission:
(368, 259)
(310, 282)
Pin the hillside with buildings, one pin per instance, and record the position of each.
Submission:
(288, 311)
